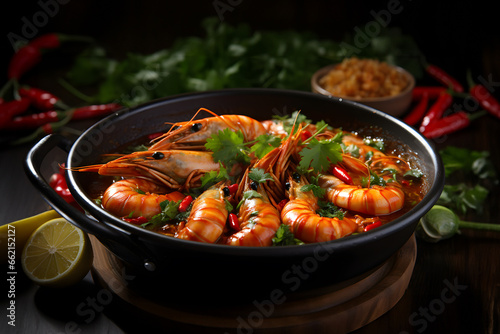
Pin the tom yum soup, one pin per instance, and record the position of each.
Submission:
(238, 181)
(364, 78)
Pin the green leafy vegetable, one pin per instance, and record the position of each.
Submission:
(319, 155)
(462, 197)
(285, 237)
(248, 195)
(415, 173)
(467, 161)
(264, 144)
(169, 214)
(259, 175)
(228, 147)
(330, 210)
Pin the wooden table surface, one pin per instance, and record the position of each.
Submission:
(455, 286)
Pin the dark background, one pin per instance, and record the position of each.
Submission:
(456, 35)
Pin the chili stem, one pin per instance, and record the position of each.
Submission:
(479, 226)
(75, 91)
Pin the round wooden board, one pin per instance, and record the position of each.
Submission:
(342, 307)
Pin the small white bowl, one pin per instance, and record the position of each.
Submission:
(395, 105)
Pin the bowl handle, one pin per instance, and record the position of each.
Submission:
(32, 166)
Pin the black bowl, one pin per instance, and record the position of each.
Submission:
(206, 271)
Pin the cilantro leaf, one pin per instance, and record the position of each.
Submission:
(259, 175)
(214, 176)
(264, 144)
(169, 212)
(468, 161)
(462, 197)
(247, 195)
(285, 237)
(228, 147)
(320, 154)
(330, 210)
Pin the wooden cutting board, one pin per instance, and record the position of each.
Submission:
(341, 308)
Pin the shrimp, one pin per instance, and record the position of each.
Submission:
(208, 216)
(174, 168)
(376, 200)
(193, 134)
(300, 214)
(259, 220)
(135, 197)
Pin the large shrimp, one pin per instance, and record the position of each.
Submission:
(207, 218)
(300, 214)
(135, 197)
(174, 168)
(193, 134)
(374, 200)
(259, 220)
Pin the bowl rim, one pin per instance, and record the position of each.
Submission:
(348, 242)
(316, 77)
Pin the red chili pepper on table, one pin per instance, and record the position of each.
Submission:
(418, 111)
(483, 96)
(12, 108)
(95, 110)
(437, 109)
(42, 99)
(444, 78)
(54, 40)
(450, 124)
(341, 174)
(432, 92)
(23, 60)
(34, 120)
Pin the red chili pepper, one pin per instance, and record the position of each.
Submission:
(305, 134)
(405, 183)
(444, 78)
(184, 205)
(155, 135)
(137, 220)
(58, 183)
(234, 222)
(47, 41)
(437, 109)
(372, 226)
(34, 120)
(233, 188)
(282, 204)
(418, 111)
(486, 100)
(342, 174)
(95, 110)
(450, 124)
(23, 60)
(432, 92)
(12, 108)
(54, 40)
(41, 99)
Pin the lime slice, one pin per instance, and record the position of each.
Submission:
(57, 254)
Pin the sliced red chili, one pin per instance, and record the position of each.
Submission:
(234, 223)
(282, 204)
(136, 220)
(418, 111)
(444, 78)
(370, 227)
(341, 174)
(436, 110)
(184, 205)
(233, 188)
(305, 134)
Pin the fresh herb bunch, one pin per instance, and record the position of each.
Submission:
(229, 57)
